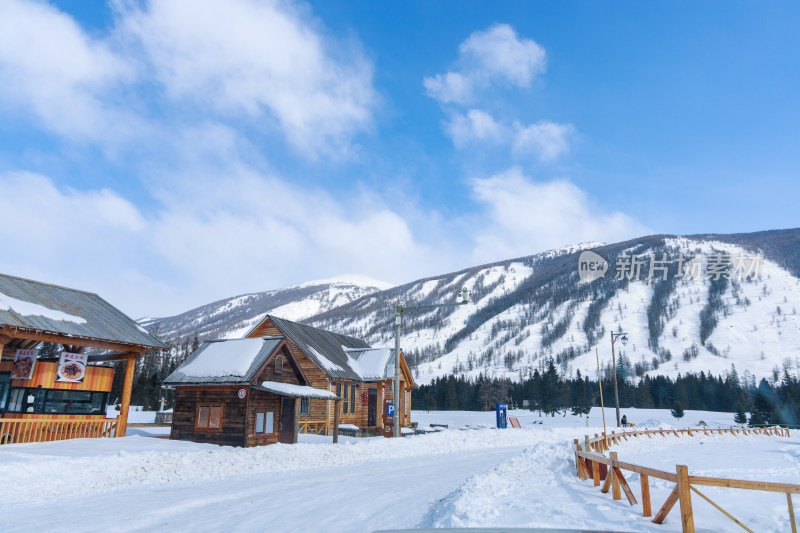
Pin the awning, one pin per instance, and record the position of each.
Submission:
(297, 391)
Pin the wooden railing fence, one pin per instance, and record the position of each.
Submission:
(590, 457)
(316, 427)
(21, 430)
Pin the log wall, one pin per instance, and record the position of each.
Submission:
(234, 414)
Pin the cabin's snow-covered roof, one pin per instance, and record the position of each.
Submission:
(324, 348)
(297, 391)
(369, 363)
(225, 361)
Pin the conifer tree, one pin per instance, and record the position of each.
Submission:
(740, 417)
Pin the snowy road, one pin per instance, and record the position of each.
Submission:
(378, 495)
(456, 478)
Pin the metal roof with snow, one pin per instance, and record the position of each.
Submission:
(38, 306)
(210, 363)
(325, 348)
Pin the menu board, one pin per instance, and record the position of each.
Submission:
(71, 367)
(24, 362)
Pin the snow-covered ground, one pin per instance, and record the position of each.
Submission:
(467, 475)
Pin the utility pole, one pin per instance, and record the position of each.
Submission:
(624, 341)
(398, 320)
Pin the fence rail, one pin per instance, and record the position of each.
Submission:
(590, 456)
(22, 430)
(315, 427)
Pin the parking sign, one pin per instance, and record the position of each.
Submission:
(390, 409)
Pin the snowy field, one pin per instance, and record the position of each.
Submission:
(467, 475)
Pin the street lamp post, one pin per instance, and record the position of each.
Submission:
(624, 341)
(398, 320)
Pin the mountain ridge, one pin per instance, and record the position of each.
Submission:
(528, 309)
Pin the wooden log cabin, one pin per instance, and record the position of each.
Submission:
(240, 392)
(359, 374)
(45, 398)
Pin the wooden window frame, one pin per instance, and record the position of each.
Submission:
(344, 398)
(210, 406)
(352, 399)
(307, 405)
(279, 364)
(266, 418)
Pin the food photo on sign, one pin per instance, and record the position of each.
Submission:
(71, 367)
(24, 362)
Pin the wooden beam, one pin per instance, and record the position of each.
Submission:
(113, 356)
(767, 486)
(685, 495)
(791, 512)
(667, 507)
(614, 481)
(607, 482)
(127, 387)
(720, 509)
(645, 483)
(336, 421)
(17, 333)
(625, 487)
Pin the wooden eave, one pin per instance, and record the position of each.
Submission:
(9, 333)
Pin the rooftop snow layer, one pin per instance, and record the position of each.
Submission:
(229, 358)
(7, 303)
(369, 363)
(299, 391)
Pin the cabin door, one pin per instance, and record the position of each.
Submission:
(287, 421)
(372, 414)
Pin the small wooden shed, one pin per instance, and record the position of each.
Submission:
(240, 392)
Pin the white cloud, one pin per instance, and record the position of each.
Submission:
(475, 127)
(264, 61)
(259, 59)
(522, 216)
(229, 234)
(546, 140)
(496, 56)
(52, 69)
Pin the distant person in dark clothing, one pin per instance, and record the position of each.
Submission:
(624, 421)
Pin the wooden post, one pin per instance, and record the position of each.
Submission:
(586, 445)
(336, 420)
(614, 481)
(645, 482)
(596, 473)
(685, 498)
(791, 512)
(127, 387)
(380, 405)
(296, 429)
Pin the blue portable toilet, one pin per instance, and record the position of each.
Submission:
(502, 415)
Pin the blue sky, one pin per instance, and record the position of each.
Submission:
(166, 154)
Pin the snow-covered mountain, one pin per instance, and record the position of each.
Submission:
(523, 311)
(232, 317)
